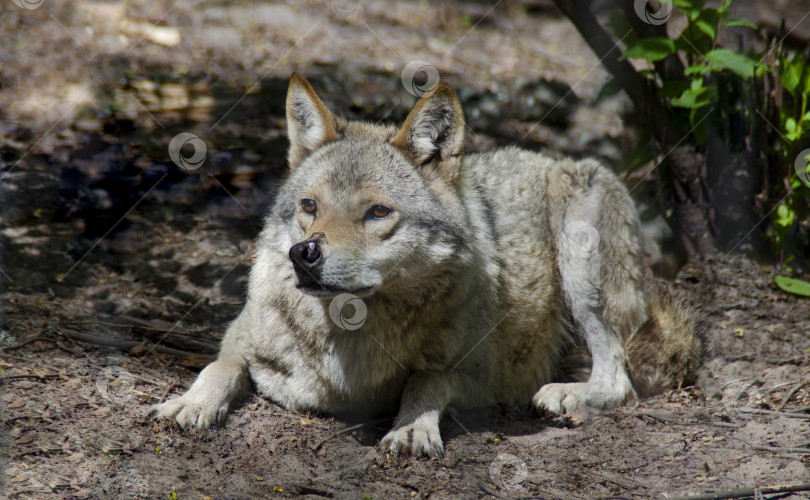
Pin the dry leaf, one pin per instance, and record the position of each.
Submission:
(26, 438)
(73, 383)
(17, 404)
(57, 481)
(102, 411)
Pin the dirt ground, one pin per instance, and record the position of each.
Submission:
(120, 270)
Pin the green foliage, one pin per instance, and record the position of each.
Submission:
(651, 49)
(792, 285)
(764, 93)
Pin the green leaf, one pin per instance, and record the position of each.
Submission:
(741, 22)
(791, 74)
(790, 124)
(691, 98)
(740, 64)
(708, 22)
(697, 69)
(793, 131)
(798, 167)
(682, 4)
(785, 216)
(696, 9)
(806, 117)
(793, 285)
(610, 87)
(650, 49)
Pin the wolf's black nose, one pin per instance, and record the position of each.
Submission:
(306, 255)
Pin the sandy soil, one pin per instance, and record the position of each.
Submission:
(104, 239)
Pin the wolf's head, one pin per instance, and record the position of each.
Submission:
(371, 207)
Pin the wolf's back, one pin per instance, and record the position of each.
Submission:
(665, 352)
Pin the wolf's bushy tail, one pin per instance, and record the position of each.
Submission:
(665, 352)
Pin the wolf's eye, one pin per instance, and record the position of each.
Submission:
(308, 205)
(378, 212)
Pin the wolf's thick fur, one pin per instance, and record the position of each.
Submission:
(478, 273)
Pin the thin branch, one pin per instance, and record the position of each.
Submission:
(24, 343)
(791, 394)
(348, 430)
(29, 375)
(788, 488)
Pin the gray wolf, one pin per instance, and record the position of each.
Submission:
(475, 276)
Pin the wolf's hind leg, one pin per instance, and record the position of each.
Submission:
(208, 400)
(596, 230)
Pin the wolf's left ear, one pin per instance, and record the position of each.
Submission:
(310, 124)
(433, 134)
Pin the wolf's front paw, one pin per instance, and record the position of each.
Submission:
(191, 412)
(578, 400)
(418, 439)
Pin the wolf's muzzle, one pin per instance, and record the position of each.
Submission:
(307, 257)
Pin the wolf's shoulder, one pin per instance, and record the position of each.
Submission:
(507, 164)
(507, 174)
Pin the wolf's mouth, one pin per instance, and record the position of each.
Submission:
(323, 290)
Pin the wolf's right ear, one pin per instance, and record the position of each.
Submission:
(432, 137)
(310, 124)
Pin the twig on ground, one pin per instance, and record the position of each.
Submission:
(778, 449)
(791, 394)
(773, 449)
(29, 375)
(775, 388)
(346, 431)
(40, 338)
(179, 377)
(787, 488)
(489, 491)
(780, 413)
(796, 360)
(726, 424)
(127, 345)
(169, 388)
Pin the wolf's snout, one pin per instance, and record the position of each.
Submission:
(306, 256)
